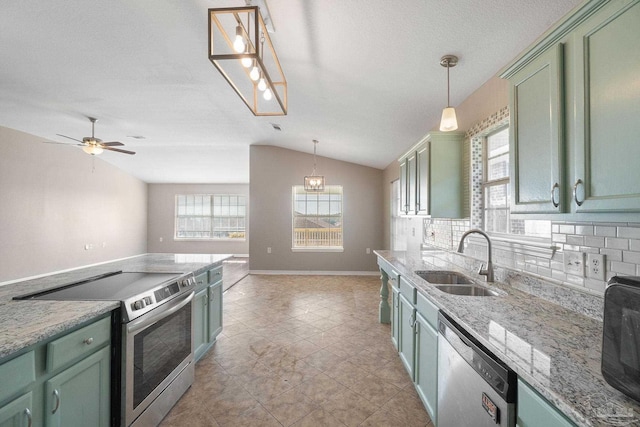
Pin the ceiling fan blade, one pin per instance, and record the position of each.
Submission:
(59, 143)
(111, 144)
(65, 136)
(119, 150)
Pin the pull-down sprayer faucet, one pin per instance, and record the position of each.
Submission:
(489, 270)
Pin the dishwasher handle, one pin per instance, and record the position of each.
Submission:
(500, 377)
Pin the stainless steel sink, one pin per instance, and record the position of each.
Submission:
(444, 277)
(467, 290)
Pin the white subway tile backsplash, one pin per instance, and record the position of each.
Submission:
(634, 245)
(575, 240)
(629, 232)
(567, 229)
(559, 238)
(597, 242)
(604, 230)
(633, 257)
(623, 267)
(584, 230)
(596, 285)
(612, 254)
(613, 243)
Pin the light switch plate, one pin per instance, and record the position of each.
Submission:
(573, 263)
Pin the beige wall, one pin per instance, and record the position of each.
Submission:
(273, 173)
(56, 199)
(162, 219)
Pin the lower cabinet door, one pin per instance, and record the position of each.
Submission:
(426, 365)
(395, 312)
(200, 323)
(18, 412)
(80, 395)
(406, 343)
(535, 411)
(215, 310)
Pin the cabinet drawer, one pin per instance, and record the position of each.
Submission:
(17, 374)
(202, 281)
(427, 310)
(215, 275)
(78, 344)
(408, 290)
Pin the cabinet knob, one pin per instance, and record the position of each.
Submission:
(555, 187)
(88, 341)
(575, 192)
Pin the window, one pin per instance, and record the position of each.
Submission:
(210, 216)
(317, 219)
(497, 194)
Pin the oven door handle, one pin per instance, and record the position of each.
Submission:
(151, 318)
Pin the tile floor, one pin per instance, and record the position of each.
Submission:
(301, 351)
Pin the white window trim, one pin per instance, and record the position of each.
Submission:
(209, 239)
(317, 249)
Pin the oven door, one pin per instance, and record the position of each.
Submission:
(158, 347)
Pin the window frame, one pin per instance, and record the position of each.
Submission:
(327, 249)
(486, 183)
(212, 217)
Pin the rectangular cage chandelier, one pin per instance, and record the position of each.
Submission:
(240, 48)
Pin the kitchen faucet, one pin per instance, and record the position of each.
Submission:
(489, 270)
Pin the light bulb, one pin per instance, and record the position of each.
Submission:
(238, 44)
(246, 62)
(262, 84)
(449, 121)
(92, 149)
(255, 73)
(267, 94)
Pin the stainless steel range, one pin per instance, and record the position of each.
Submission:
(154, 335)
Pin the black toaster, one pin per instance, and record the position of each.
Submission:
(621, 335)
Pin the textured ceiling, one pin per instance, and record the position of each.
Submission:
(363, 75)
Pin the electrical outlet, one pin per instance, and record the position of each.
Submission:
(596, 266)
(574, 263)
(269, 250)
(368, 251)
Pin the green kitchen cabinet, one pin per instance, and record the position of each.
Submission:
(426, 365)
(18, 413)
(215, 310)
(406, 342)
(79, 396)
(537, 134)
(534, 410)
(63, 381)
(395, 316)
(207, 306)
(200, 323)
(607, 129)
(431, 176)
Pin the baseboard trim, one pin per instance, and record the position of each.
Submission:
(314, 273)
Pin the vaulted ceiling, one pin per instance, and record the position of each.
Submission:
(363, 76)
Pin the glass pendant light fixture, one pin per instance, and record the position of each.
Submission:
(238, 44)
(314, 182)
(448, 122)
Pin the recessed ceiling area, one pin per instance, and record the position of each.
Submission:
(363, 76)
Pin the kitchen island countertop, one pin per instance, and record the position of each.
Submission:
(24, 323)
(554, 349)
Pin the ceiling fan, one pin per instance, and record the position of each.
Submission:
(92, 145)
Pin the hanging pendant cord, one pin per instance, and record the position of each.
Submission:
(315, 143)
(448, 89)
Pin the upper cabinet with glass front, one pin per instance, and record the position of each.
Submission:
(431, 176)
(574, 100)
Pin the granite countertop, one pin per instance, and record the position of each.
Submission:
(24, 323)
(554, 349)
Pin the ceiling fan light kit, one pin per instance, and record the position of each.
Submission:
(241, 49)
(448, 122)
(94, 146)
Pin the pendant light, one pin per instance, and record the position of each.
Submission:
(448, 122)
(314, 182)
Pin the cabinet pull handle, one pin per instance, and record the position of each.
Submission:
(88, 341)
(575, 192)
(27, 414)
(56, 394)
(553, 195)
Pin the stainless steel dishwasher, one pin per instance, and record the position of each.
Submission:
(475, 389)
